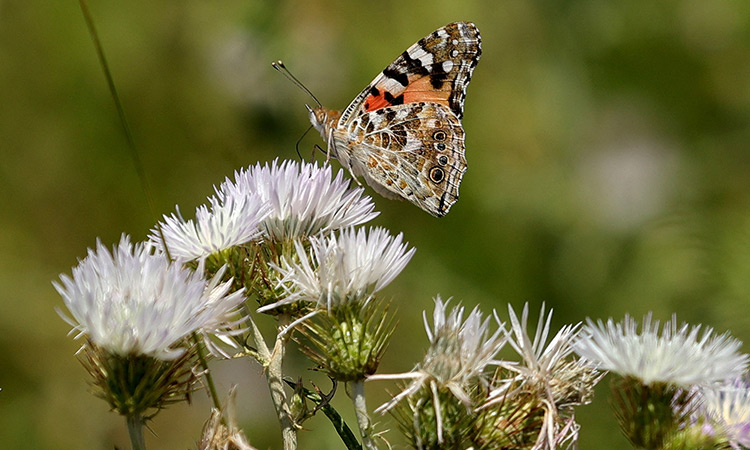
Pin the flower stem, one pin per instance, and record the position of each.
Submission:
(274, 377)
(360, 410)
(207, 373)
(135, 430)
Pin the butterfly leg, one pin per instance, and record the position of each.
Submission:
(330, 146)
(317, 147)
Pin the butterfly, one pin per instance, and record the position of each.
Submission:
(403, 132)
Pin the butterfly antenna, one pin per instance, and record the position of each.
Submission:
(296, 146)
(278, 65)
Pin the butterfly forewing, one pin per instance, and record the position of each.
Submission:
(436, 69)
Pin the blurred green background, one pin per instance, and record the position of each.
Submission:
(607, 142)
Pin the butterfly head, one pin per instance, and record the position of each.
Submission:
(323, 119)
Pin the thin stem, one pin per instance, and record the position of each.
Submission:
(207, 374)
(134, 155)
(274, 377)
(135, 430)
(345, 433)
(360, 410)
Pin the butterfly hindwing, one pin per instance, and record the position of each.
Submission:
(413, 151)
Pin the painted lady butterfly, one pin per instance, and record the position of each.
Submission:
(403, 132)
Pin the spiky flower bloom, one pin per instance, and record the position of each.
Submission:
(344, 268)
(727, 407)
(658, 371)
(338, 278)
(547, 384)
(228, 222)
(675, 356)
(447, 383)
(305, 200)
(136, 311)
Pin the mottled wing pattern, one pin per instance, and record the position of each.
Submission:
(436, 69)
(413, 151)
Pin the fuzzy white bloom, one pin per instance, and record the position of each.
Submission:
(460, 351)
(134, 301)
(348, 266)
(728, 407)
(676, 356)
(233, 221)
(304, 198)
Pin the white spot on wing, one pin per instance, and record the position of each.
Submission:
(392, 85)
(447, 65)
(422, 56)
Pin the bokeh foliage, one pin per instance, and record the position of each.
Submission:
(609, 170)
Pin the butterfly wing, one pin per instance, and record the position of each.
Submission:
(413, 151)
(436, 69)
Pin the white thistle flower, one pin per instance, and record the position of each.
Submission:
(458, 355)
(304, 198)
(134, 301)
(349, 266)
(233, 221)
(539, 359)
(558, 383)
(675, 356)
(728, 407)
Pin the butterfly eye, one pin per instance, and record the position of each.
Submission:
(439, 135)
(443, 160)
(437, 174)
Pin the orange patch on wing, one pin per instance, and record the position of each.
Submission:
(421, 90)
(376, 102)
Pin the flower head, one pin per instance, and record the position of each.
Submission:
(439, 401)
(343, 268)
(304, 199)
(459, 352)
(134, 301)
(547, 383)
(677, 356)
(727, 406)
(228, 222)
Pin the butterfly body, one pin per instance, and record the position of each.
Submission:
(403, 132)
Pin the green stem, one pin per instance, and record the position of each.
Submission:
(207, 374)
(274, 377)
(135, 430)
(121, 116)
(345, 433)
(360, 410)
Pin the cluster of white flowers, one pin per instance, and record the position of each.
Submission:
(147, 299)
(136, 301)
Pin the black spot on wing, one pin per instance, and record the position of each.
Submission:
(399, 100)
(414, 65)
(397, 75)
(438, 76)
